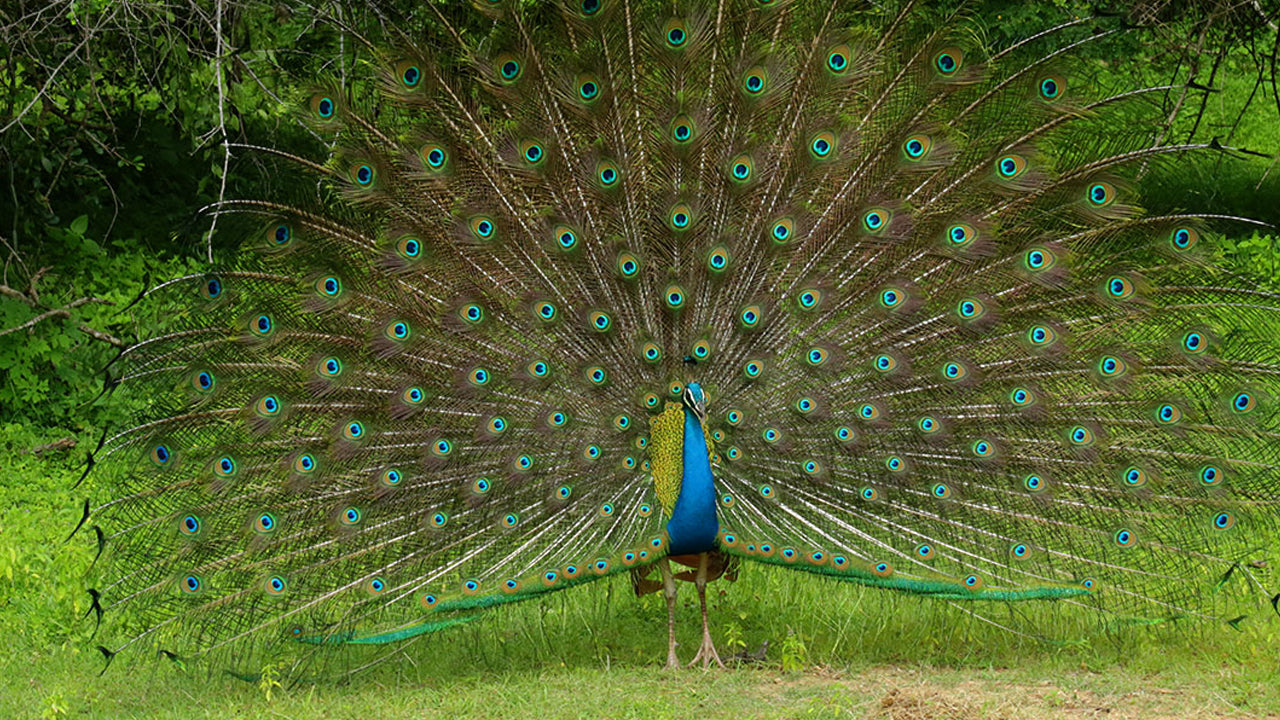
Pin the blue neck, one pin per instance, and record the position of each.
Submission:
(693, 525)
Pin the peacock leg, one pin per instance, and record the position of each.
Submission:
(669, 589)
(707, 653)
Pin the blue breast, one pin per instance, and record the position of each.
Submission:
(693, 525)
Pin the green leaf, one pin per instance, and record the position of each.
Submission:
(80, 224)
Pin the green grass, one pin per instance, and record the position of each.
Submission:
(596, 651)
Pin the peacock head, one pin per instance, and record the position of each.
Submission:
(696, 400)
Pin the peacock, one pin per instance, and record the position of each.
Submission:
(602, 287)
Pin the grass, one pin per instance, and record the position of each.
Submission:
(596, 651)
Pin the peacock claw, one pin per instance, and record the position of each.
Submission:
(707, 653)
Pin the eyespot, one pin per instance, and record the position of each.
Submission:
(875, 220)
(538, 369)
(391, 477)
(954, 371)
(413, 396)
(596, 375)
(211, 289)
(1119, 287)
(510, 520)
(869, 493)
(557, 418)
(429, 601)
(628, 265)
(1022, 397)
(816, 356)
(838, 59)
(565, 236)
(771, 435)
(645, 510)
(600, 321)
(275, 585)
(304, 464)
(1211, 475)
(544, 311)
(439, 520)
(893, 463)
(782, 230)
(942, 491)
(947, 62)
(397, 330)
(606, 510)
(741, 168)
(1080, 436)
(970, 309)
(675, 33)
(435, 157)
(718, 260)
(1224, 521)
(1052, 87)
(680, 218)
(651, 352)
(1126, 538)
(607, 173)
(189, 525)
(674, 297)
(972, 582)
(375, 585)
(481, 486)
(264, 522)
(701, 350)
(891, 298)
(1101, 194)
(225, 467)
(564, 492)
(482, 227)
(1194, 342)
(203, 382)
(924, 551)
(753, 369)
(683, 129)
(733, 453)
(161, 455)
(1034, 483)
(1244, 402)
(928, 425)
(1009, 167)
(1039, 259)
(983, 448)
(362, 174)
(1088, 583)
(532, 152)
(350, 516)
(961, 235)
(191, 584)
(750, 316)
(1183, 239)
(1134, 477)
(1110, 366)
(868, 412)
(588, 88)
(323, 107)
(1168, 414)
(508, 68)
(353, 430)
(917, 147)
(884, 363)
(809, 299)
(441, 447)
(810, 467)
(822, 145)
(755, 81)
(1041, 336)
(262, 325)
(622, 422)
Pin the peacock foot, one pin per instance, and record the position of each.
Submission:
(707, 653)
(673, 661)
